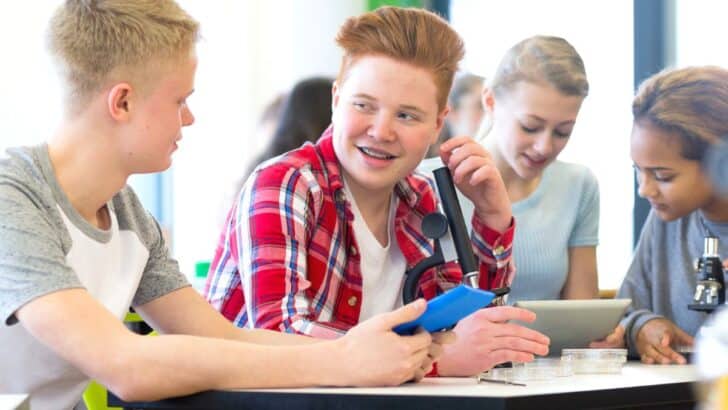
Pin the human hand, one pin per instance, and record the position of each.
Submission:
(436, 350)
(656, 339)
(374, 355)
(614, 340)
(485, 339)
(477, 177)
(725, 264)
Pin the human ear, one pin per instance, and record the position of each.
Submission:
(335, 89)
(488, 100)
(118, 101)
(439, 123)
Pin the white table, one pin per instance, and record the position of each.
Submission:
(638, 386)
(14, 402)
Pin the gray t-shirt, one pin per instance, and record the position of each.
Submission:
(661, 279)
(46, 246)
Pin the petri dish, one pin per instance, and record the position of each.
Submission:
(541, 369)
(595, 361)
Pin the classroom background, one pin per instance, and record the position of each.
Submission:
(253, 50)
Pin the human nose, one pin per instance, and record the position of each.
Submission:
(645, 186)
(544, 144)
(381, 128)
(187, 117)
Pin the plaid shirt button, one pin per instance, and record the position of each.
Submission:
(352, 301)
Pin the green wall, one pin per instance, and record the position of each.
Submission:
(374, 4)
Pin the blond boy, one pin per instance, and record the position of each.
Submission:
(77, 249)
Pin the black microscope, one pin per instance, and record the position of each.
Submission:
(710, 288)
(448, 231)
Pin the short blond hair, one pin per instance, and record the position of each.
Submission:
(413, 36)
(93, 39)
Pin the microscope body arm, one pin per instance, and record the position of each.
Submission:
(441, 272)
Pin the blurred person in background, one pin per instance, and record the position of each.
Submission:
(466, 110)
(304, 114)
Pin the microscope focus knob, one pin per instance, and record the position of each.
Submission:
(434, 225)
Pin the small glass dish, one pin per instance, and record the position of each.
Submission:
(595, 361)
(542, 369)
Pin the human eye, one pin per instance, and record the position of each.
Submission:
(361, 106)
(664, 177)
(560, 134)
(529, 130)
(406, 116)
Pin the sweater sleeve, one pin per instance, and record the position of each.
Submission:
(637, 287)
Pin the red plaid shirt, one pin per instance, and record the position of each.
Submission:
(287, 259)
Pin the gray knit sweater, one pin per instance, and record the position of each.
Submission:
(661, 279)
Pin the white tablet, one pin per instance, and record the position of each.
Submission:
(574, 323)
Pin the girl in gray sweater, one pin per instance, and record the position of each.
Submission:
(678, 115)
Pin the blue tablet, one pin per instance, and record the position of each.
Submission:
(447, 309)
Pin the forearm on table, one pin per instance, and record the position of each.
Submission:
(174, 365)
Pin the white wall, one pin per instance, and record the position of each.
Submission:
(29, 93)
(701, 32)
(251, 51)
(254, 49)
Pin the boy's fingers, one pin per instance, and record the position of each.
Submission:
(515, 330)
(444, 337)
(427, 364)
(419, 341)
(520, 345)
(406, 313)
(453, 143)
(435, 351)
(506, 355)
(506, 313)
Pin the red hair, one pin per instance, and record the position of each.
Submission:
(414, 36)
